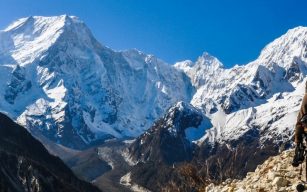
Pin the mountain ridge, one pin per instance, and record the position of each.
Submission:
(74, 87)
(249, 85)
(58, 81)
(252, 108)
(27, 166)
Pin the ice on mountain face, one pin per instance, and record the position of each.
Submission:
(280, 65)
(153, 85)
(18, 84)
(275, 119)
(83, 90)
(31, 36)
(196, 133)
(284, 49)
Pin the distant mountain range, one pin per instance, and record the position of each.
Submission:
(252, 109)
(59, 82)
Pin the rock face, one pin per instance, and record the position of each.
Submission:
(275, 174)
(165, 144)
(25, 165)
(234, 159)
(166, 141)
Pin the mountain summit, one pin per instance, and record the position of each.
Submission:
(27, 39)
(60, 82)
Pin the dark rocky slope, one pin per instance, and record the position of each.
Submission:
(167, 160)
(166, 141)
(25, 165)
(165, 148)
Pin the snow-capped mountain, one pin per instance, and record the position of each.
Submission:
(57, 77)
(252, 108)
(59, 81)
(257, 94)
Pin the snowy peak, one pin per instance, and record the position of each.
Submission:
(209, 61)
(77, 88)
(205, 62)
(65, 77)
(274, 79)
(28, 38)
(282, 50)
(280, 67)
(204, 70)
(38, 24)
(34, 22)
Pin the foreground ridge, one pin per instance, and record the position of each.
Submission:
(25, 165)
(275, 174)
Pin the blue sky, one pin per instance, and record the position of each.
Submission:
(234, 31)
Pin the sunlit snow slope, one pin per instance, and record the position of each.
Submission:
(264, 94)
(57, 80)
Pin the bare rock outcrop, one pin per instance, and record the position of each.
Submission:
(275, 174)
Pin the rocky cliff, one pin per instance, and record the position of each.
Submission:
(26, 166)
(275, 174)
